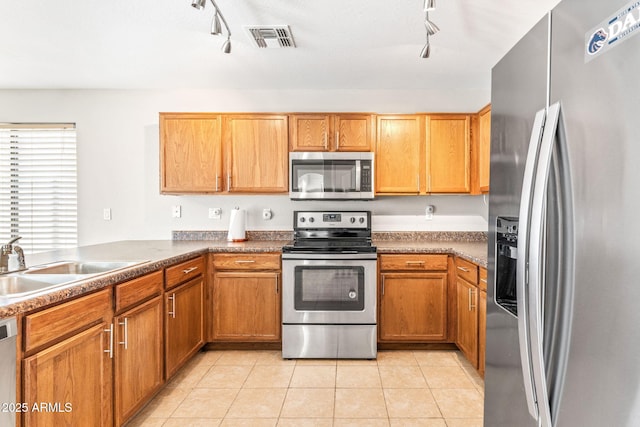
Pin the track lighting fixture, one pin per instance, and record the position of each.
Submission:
(430, 27)
(429, 5)
(216, 28)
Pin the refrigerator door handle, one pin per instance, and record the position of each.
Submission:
(523, 262)
(537, 264)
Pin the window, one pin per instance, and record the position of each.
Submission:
(38, 186)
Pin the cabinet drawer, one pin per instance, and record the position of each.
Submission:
(467, 270)
(246, 261)
(184, 271)
(136, 290)
(54, 323)
(483, 279)
(413, 262)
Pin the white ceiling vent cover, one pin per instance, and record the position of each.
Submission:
(271, 36)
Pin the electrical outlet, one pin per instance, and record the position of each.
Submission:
(176, 211)
(267, 214)
(428, 212)
(106, 214)
(215, 213)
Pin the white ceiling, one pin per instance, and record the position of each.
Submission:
(341, 44)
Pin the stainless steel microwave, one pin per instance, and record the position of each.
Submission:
(331, 175)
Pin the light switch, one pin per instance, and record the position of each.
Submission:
(106, 214)
(176, 211)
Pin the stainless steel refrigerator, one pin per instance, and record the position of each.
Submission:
(563, 306)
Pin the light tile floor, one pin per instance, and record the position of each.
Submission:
(259, 388)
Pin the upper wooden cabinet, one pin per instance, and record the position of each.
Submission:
(215, 153)
(331, 132)
(190, 153)
(448, 153)
(484, 147)
(256, 153)
(399, 148)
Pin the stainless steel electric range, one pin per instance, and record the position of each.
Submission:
(329, 287)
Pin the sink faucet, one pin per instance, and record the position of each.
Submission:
(6, 250)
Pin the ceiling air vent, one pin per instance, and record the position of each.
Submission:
(271, 36)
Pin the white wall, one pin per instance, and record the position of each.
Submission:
(118, 154)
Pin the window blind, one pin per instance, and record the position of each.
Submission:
(38, 185)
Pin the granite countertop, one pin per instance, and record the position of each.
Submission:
(153, 255)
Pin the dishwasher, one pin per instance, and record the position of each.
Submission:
(8, 337)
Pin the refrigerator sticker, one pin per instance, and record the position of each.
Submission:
(618, 28)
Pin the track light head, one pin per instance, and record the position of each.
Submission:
(429, 5)
(216, 28)
(226, 46)
(198, 4)
(431, 27)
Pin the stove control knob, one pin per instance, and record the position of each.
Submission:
(361, 220)
(352, 294)
(352, 220)
(311, 219)
(302, 219)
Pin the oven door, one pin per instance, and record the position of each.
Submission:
(329, 291)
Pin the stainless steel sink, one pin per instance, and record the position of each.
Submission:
(19, 285)
(48, 277)
(80, 267)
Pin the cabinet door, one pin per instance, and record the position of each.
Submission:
(448, 153)
(257, 153)
(353, 132)
(246, 306)
(310, 132)
(138, 357)
(398, 154)
(70, 382)
(190, 153)
(467, 337)
(413, 306)
(484, 149)
(183, 324)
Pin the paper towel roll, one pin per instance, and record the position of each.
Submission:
(237, 232)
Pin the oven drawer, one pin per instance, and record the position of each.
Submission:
(413, 262)
(246, 261)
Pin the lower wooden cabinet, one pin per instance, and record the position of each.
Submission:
(246, 306)
(467, 333)
(413, 298)
(138, 357)
(184, 324)
(413, 307)
(71, 376)
(245, 298)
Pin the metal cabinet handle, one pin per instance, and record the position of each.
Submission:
(483, 280)
(110, 350)
(415, 262)
(277, 283)
(189, 270)
(228, 181)
(217, 182)
(471, 305)
(466, 270)
(245, 261)
(172, 313)
(382, 284)
(326, 139)
(125, 330)
(337, 140)
(522, 261)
